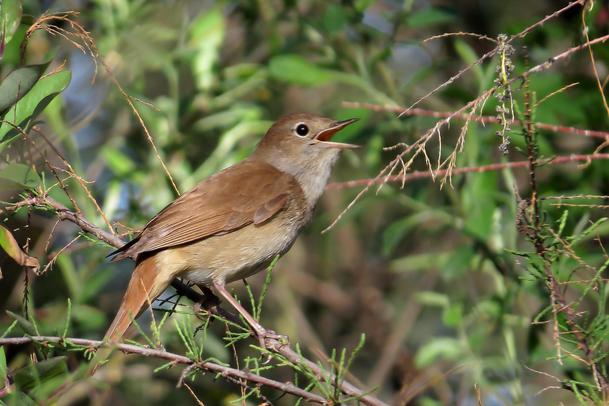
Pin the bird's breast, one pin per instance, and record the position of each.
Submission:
(238, 254)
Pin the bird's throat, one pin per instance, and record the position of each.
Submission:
(311, 172)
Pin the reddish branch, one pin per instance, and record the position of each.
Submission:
(560, 160)
(479, 119)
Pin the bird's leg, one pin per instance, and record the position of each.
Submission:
(267, 338)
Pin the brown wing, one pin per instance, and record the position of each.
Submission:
(246, 193)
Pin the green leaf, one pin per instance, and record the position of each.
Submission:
(335, 18)
(18, 83)
(118, 162)
(479, 204)
(88, 317)
(21, 174)
(207, 34)
(3, 367)
(12, 248)
(94, 285)
(397, 230)
(440, 348)
(453, 315)
(362, 5)
(33, 375)
(295, 69)
(428, 17)
(458, 262)
(469, 56)
(10, 17)
(25, 324)
(34, 102)
(430, 298)
(11, 55)
(70, 275)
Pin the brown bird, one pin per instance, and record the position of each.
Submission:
(234, 223)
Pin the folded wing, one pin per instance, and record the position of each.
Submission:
(251, 192)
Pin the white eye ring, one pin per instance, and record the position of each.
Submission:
(301, 129)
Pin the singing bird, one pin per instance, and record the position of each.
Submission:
(234, 223)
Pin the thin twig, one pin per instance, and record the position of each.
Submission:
(559, 160)
(286, 387)
(478, 118)
(420, 145)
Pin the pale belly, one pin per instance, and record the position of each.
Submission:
(228, 257)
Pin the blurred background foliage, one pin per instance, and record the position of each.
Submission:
(428, 274)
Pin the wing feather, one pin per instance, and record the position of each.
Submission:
(246, 193)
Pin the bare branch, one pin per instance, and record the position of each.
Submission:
(559, 160)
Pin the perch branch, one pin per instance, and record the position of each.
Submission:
(225, 371)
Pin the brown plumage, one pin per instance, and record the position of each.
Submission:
(235, 222)
(247, 193)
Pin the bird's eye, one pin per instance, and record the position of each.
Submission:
(302, 129)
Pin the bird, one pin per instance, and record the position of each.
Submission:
(234, 223)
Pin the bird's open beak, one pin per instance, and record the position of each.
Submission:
(326, 135)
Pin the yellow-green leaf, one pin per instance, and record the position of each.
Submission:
(10, 17)
(12, 248)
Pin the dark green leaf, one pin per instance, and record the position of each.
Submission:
(17, 83)
(25, 324)
(34, 102)
(33, 375)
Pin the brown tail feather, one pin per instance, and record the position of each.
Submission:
(147, 282)
(143, 288)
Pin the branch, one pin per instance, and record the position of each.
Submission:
(64, 213)
(225, 371)
(531, 226)
(492, 53)
(604, 135)
(559, 160)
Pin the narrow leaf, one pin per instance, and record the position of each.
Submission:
(11, 247)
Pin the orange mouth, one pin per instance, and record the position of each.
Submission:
(328, 133)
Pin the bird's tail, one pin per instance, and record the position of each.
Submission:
(145, 285)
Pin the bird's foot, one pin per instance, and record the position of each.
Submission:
(210, 304)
